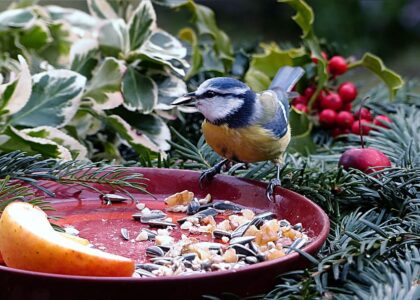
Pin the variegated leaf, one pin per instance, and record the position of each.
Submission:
(113, 37)
(141, 24)
(84, 57)
(105, 87)
(140, 91)
(55, 98)
(15, 94)
(138, 140)
(80, 21)
(77, 150)
(170, 87)
(36, 37)
(16, 18)
(103, 9)
(12, 139)
(163, 48)
(85, 124)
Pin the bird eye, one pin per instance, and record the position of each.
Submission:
(210, 94)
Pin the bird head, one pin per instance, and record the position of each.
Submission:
(223, 100)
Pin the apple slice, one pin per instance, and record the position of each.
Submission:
(28, 241)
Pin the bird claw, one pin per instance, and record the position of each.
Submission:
(270, 189)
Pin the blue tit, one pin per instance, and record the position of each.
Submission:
(244, 126)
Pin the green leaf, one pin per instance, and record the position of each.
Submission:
(139, 91)
(36, 37)
(141, 24)
(55, 98)
(81, 22)
(171, 3)
(84, 57)
(105, 87)
(77, 150)
(373, 63)
(264, 66)
(205, 21)
(16, 18)
(301, 128)
(114, 38)
(187, 34)
(12, 139)
(257, 80)
(15, 94)
(103, 9)
(304, 16)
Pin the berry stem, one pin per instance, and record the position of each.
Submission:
(362, 104)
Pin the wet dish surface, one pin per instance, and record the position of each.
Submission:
(97, 222)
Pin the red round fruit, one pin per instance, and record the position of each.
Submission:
(309, 91)
(347, 106)
(355, 127)
(327, 117)
(337, 65)
(332, 101)
(347, 91)
(301, 107)
(367, 160)
(364, 113)
(301, 99)
(382, 121)
(345, 119)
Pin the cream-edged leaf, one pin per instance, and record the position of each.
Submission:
(103, 9)
(14, 95)
(55, 98)
(104, 88)
(77, 150)
(84, 56)
(12, 139)
(113, 38)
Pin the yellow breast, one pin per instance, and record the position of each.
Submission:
(250, 144)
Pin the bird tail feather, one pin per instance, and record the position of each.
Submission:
(286, 78)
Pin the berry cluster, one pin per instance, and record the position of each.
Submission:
(333, 106)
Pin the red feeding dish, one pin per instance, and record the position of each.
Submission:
(101, 224)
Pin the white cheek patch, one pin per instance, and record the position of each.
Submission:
(218, 108)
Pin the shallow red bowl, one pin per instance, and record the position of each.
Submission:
(82, 208)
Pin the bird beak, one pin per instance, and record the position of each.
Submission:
(188, 99)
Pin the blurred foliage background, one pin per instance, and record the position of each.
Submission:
(387, 28)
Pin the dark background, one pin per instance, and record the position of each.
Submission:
(388, 28)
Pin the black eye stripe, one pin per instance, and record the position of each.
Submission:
(211, 94)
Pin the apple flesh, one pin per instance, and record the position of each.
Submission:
(367, 160)
(28, 242)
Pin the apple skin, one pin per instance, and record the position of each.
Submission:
(367, 160)
(28, 242)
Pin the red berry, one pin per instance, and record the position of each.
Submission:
(366, 160)
(327, 117)
(332, 101)
(300, 100)
(345, 119)
(309, 91)
(339, 131)
(364, 114)
(347, 106)
(337, 65)
(382, 121)
(355, 127)
(301, 107)
(347, 91)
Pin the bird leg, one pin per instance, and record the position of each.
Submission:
(272, 185)
(208, 174)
